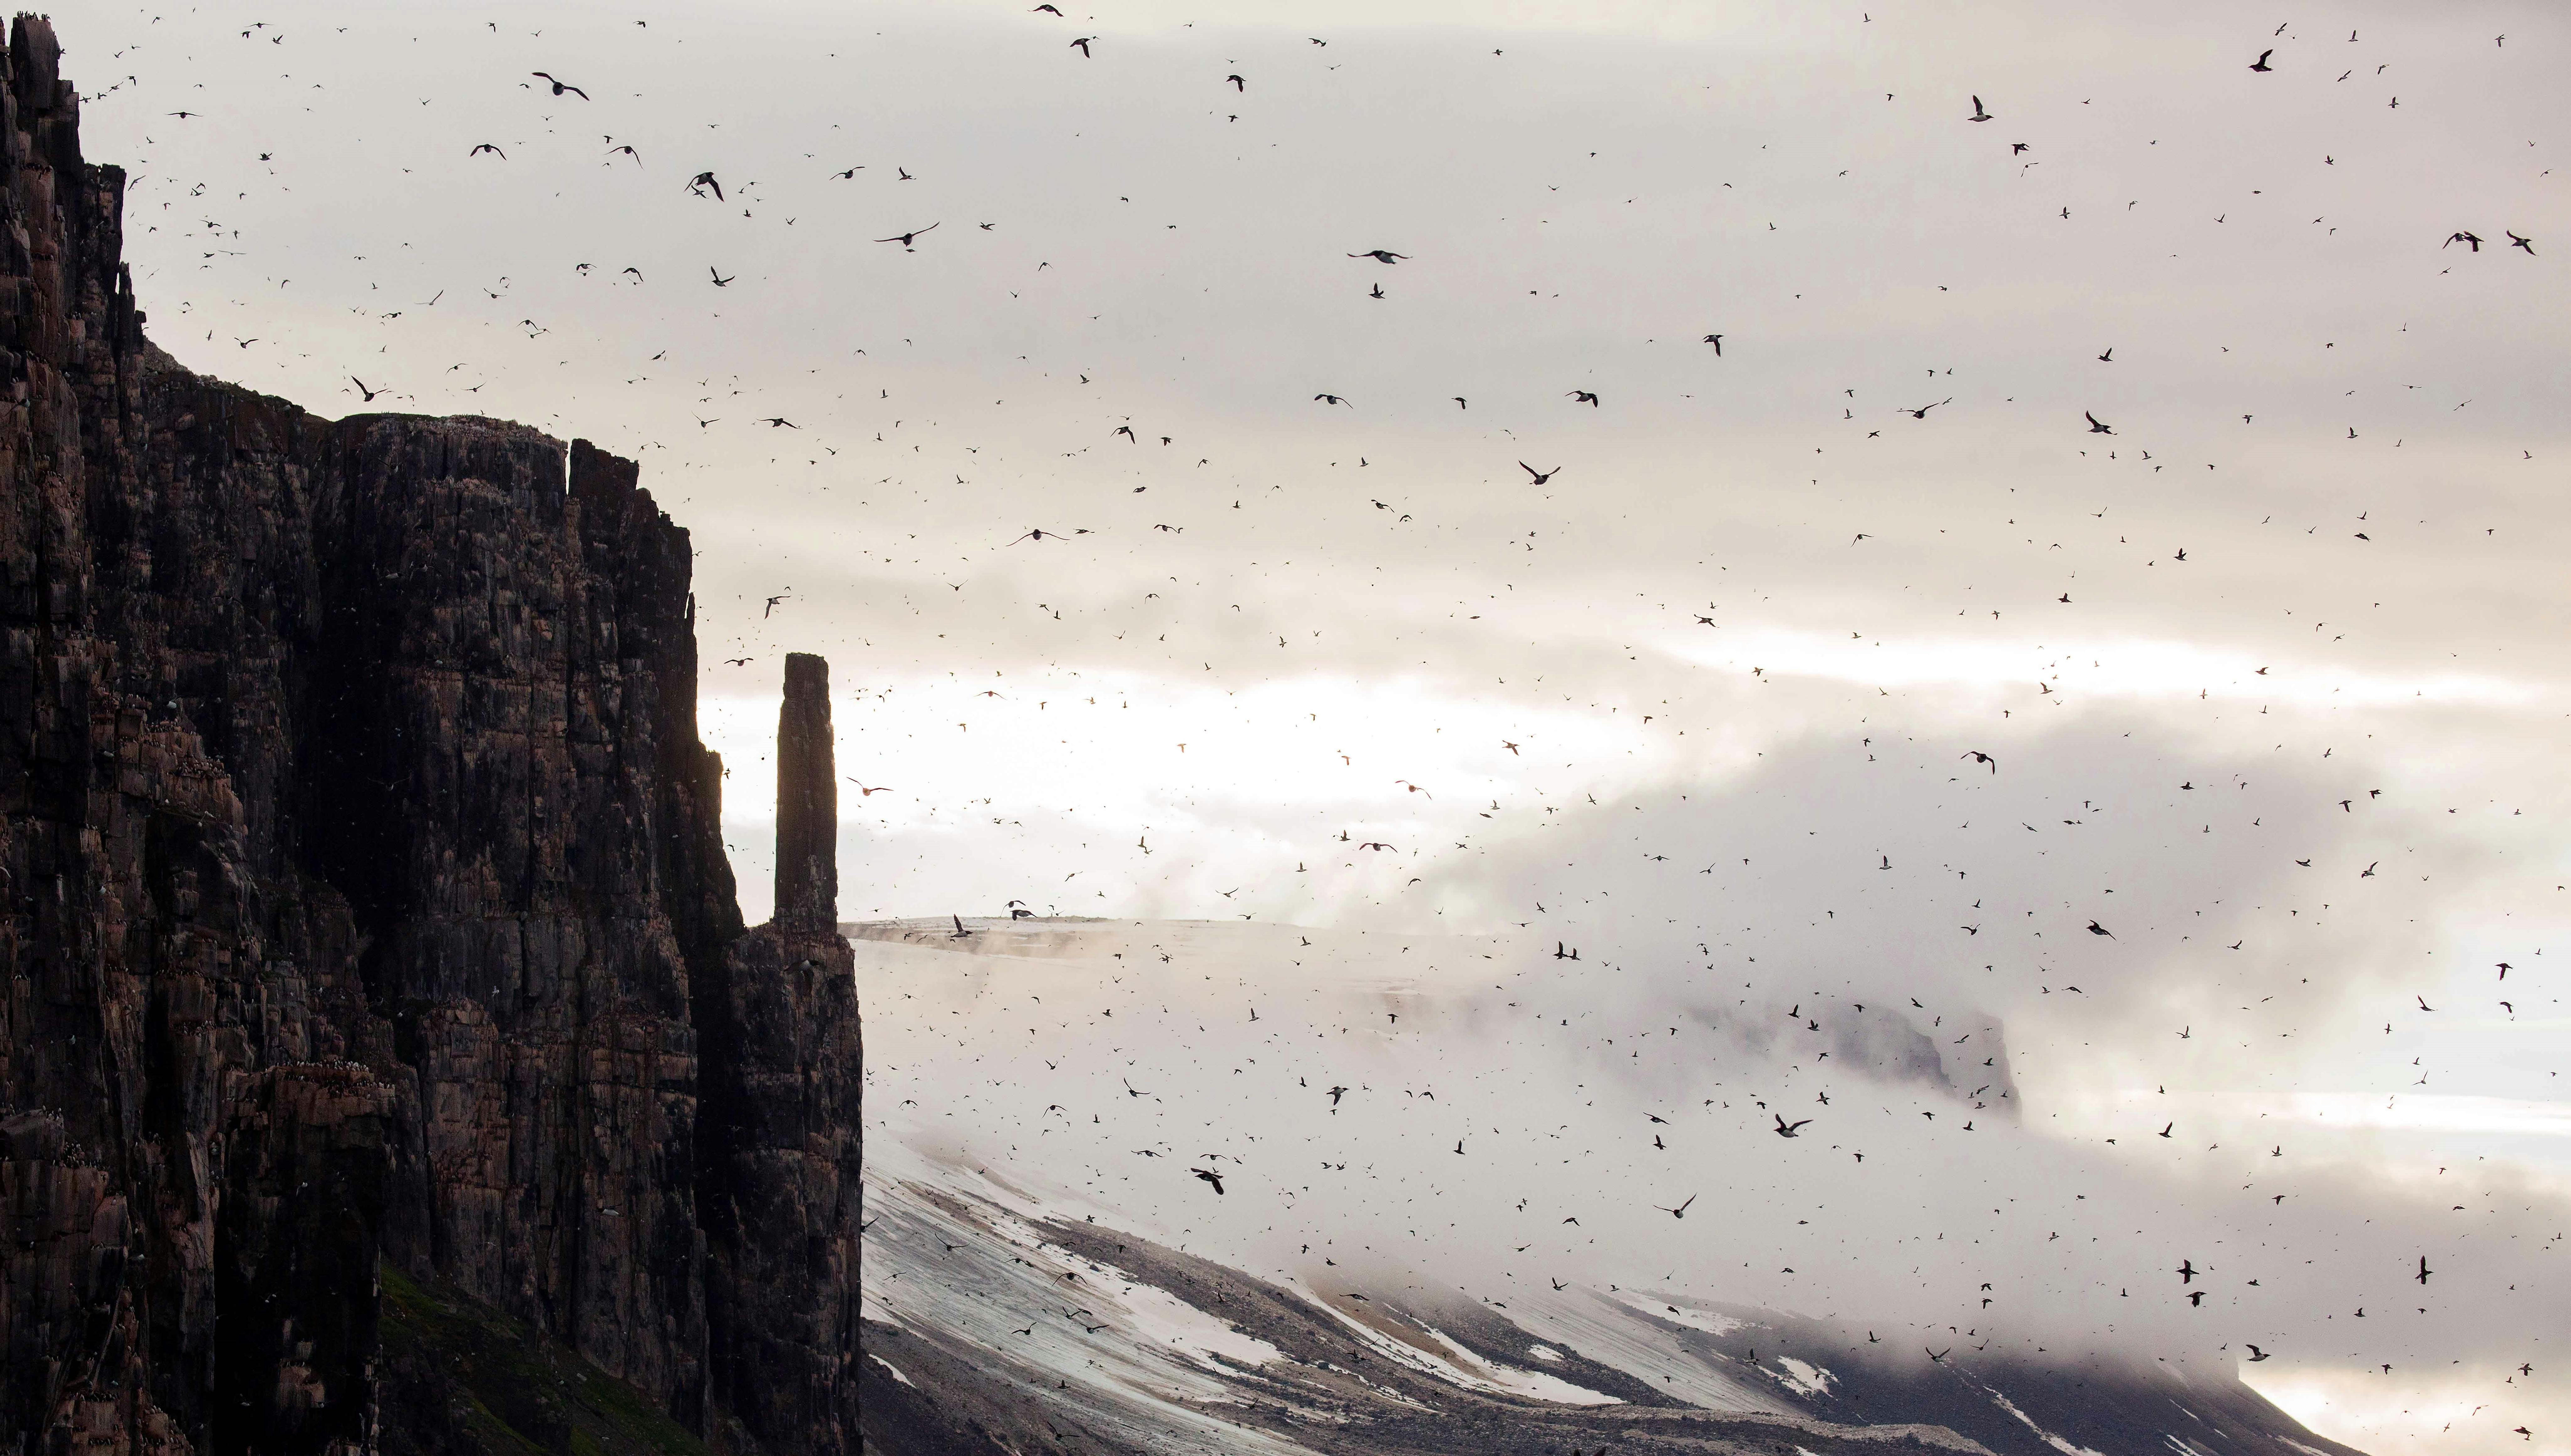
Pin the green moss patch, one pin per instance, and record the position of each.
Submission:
(509, 1389)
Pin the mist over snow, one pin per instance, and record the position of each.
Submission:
(1089, 1070)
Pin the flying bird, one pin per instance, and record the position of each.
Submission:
(2465, 237)
(1786, 1129)
(703, 180)
(560, 85)
(2256, 1354)
(1213, 1177)
(904, 238)
(1541, 476)
(1584, 397)
(1978, 757)
(1978, 115)
(363, 389)
(1680, 1212)
(1237, 83)
(487, 147)
(1381, 254)
(2095, 427)
(2261, 64)
(719, 281)
(1083, 44)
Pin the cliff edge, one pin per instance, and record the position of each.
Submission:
(365, 926)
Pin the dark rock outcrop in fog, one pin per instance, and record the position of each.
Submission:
(363, 897)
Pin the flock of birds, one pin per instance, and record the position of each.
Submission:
(708, 186)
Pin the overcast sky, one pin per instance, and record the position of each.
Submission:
(1762, 607)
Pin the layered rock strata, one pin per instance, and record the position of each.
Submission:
(362, 903)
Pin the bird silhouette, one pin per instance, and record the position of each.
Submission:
(560, 85)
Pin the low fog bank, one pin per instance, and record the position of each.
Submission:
(1507, 1120)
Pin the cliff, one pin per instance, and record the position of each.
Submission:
(366, 923)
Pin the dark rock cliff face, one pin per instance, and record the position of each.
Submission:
(363, 906)
(779, 1028)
